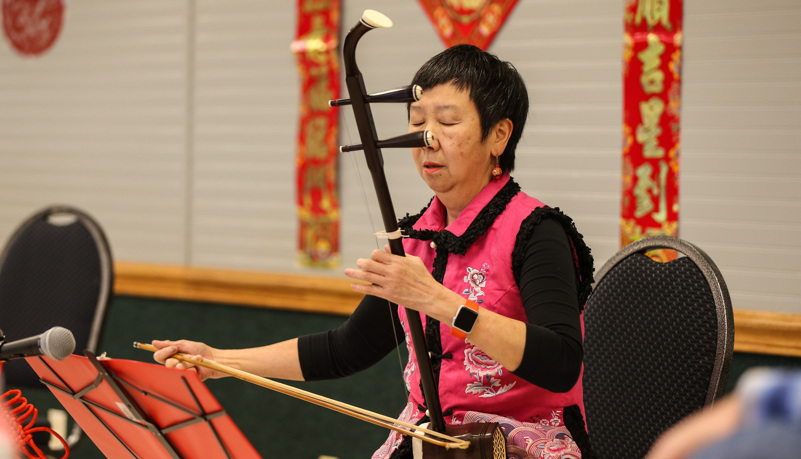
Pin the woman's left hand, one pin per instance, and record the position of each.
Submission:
(406, 281)
(401, 280)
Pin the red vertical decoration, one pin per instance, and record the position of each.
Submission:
(315, 48)
(651, 106)
(468, 21)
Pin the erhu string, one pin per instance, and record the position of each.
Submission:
(357, 168)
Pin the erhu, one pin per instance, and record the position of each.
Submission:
(486, 439)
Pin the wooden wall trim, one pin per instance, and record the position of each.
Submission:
(760, 332)
(272, 290)
(764, 332)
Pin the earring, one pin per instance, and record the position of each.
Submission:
(496, 171)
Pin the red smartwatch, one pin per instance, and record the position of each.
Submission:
(465, 319)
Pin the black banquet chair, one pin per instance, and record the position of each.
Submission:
(658, 344)
(55, 270)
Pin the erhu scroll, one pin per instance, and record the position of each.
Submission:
(486, 440)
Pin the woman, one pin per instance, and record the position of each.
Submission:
(500, 278)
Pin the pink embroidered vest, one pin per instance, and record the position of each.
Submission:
(469, 380)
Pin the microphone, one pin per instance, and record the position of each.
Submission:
(57, 343)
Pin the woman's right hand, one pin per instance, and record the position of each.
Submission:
(194, 350)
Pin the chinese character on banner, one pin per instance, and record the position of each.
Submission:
(31, 27)
(651, 106)
(315, 49)
(468, 21)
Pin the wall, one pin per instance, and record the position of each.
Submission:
(175, 125)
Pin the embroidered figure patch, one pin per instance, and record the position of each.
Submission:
(476, 281)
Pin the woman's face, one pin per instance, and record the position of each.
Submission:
(458, 164)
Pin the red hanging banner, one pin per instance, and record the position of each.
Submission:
(315, 49)
(468, 21)
(651, 105)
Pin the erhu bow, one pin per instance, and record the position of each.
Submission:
(486, 439)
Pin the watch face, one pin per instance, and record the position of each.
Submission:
(465, 319)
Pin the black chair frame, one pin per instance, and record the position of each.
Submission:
(659, 341)
(14, 265)
(720, 293)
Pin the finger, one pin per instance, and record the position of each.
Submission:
(172, 363)
(185, 366)
(381, 256)
(380, 278)
(366, 289)
(158, 344)
(370, 267)
(356, 274)
(366, 264)
(164, 353)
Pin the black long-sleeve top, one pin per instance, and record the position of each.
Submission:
(548, 286)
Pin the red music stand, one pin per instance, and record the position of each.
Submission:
(142, 410)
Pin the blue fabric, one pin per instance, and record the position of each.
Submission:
(774, 440)
(770, 395)
(771, 425)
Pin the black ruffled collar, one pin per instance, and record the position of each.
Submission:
(480, 225)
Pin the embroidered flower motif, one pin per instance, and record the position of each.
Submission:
(476, 280)
(484, 369)
(556, 418)
(480, 364)
(410, 364)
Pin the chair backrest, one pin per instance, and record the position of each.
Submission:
(55, 270)
(658, 344)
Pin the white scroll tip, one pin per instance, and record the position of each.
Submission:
(374, 19)
(417, 92)
(428, 137)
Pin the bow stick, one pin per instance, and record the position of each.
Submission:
(405, 428)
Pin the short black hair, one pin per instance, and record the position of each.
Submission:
(495, 87)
